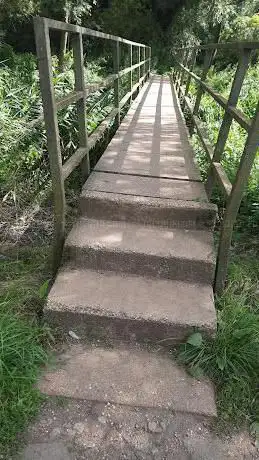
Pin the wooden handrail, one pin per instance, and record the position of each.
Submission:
(216, 173)
(59, 172)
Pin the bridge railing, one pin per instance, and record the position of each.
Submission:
(182, 76)
(59, 171)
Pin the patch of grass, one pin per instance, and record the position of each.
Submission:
(231, 360)
(23, 349)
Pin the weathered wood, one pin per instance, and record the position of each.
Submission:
(139, 61)
(68, 99)
(244, 170)
(149, 61)
(191, 67)
(52, 131)
(77, 45)
(116, 66)
(227, 119)
(222, 178)
(185, 61)
(58, 25)
(131, 71)
(80, 153)
(206, 66)
(144, 65)
(222, 101)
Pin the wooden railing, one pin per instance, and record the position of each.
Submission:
(59, 171)
(185, 59)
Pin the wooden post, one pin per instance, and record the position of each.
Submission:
(77, 44)
(227, 120)
(144, 65)
(246, 164)
(116, 66)
(139, 69)
(192, 64)
(185, 61)
(149, 62)
(131, 73)
(52, 131)
(207, 63)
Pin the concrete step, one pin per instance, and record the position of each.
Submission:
(124, 307)
(153, 187)
(150, 250)
(147, 210)
(131, 377)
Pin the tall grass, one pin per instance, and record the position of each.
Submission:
(23, 343)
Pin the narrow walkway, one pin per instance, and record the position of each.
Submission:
(138, 268)
(150, 147)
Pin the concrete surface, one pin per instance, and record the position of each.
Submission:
(129, 307)
(152, 140)
(148, 210)
(146, 186)
(94, 430)
(143, 250)
(128, 376)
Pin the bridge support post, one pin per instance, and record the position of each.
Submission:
(116, 66)
(53, 141)
(77, 44)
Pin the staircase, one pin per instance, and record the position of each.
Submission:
(138, 267)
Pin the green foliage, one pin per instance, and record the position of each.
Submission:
(23, 341)
(24, 167)
(212, 114)
(231, 360)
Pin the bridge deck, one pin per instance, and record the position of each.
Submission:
(150, 154)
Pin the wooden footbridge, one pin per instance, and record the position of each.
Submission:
(139, 264)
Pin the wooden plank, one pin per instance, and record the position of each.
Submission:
(58, 25)
(70, 98)
(116, 66)
(244, 170)
(222, 179)
(129, 69)
(77, 45)
(227, 119)
(52, 131)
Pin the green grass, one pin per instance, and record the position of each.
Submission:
(231, 360)
(23, 343)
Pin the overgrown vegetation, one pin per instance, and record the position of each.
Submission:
(24, 344)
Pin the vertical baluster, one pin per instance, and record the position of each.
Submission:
(116, 65)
